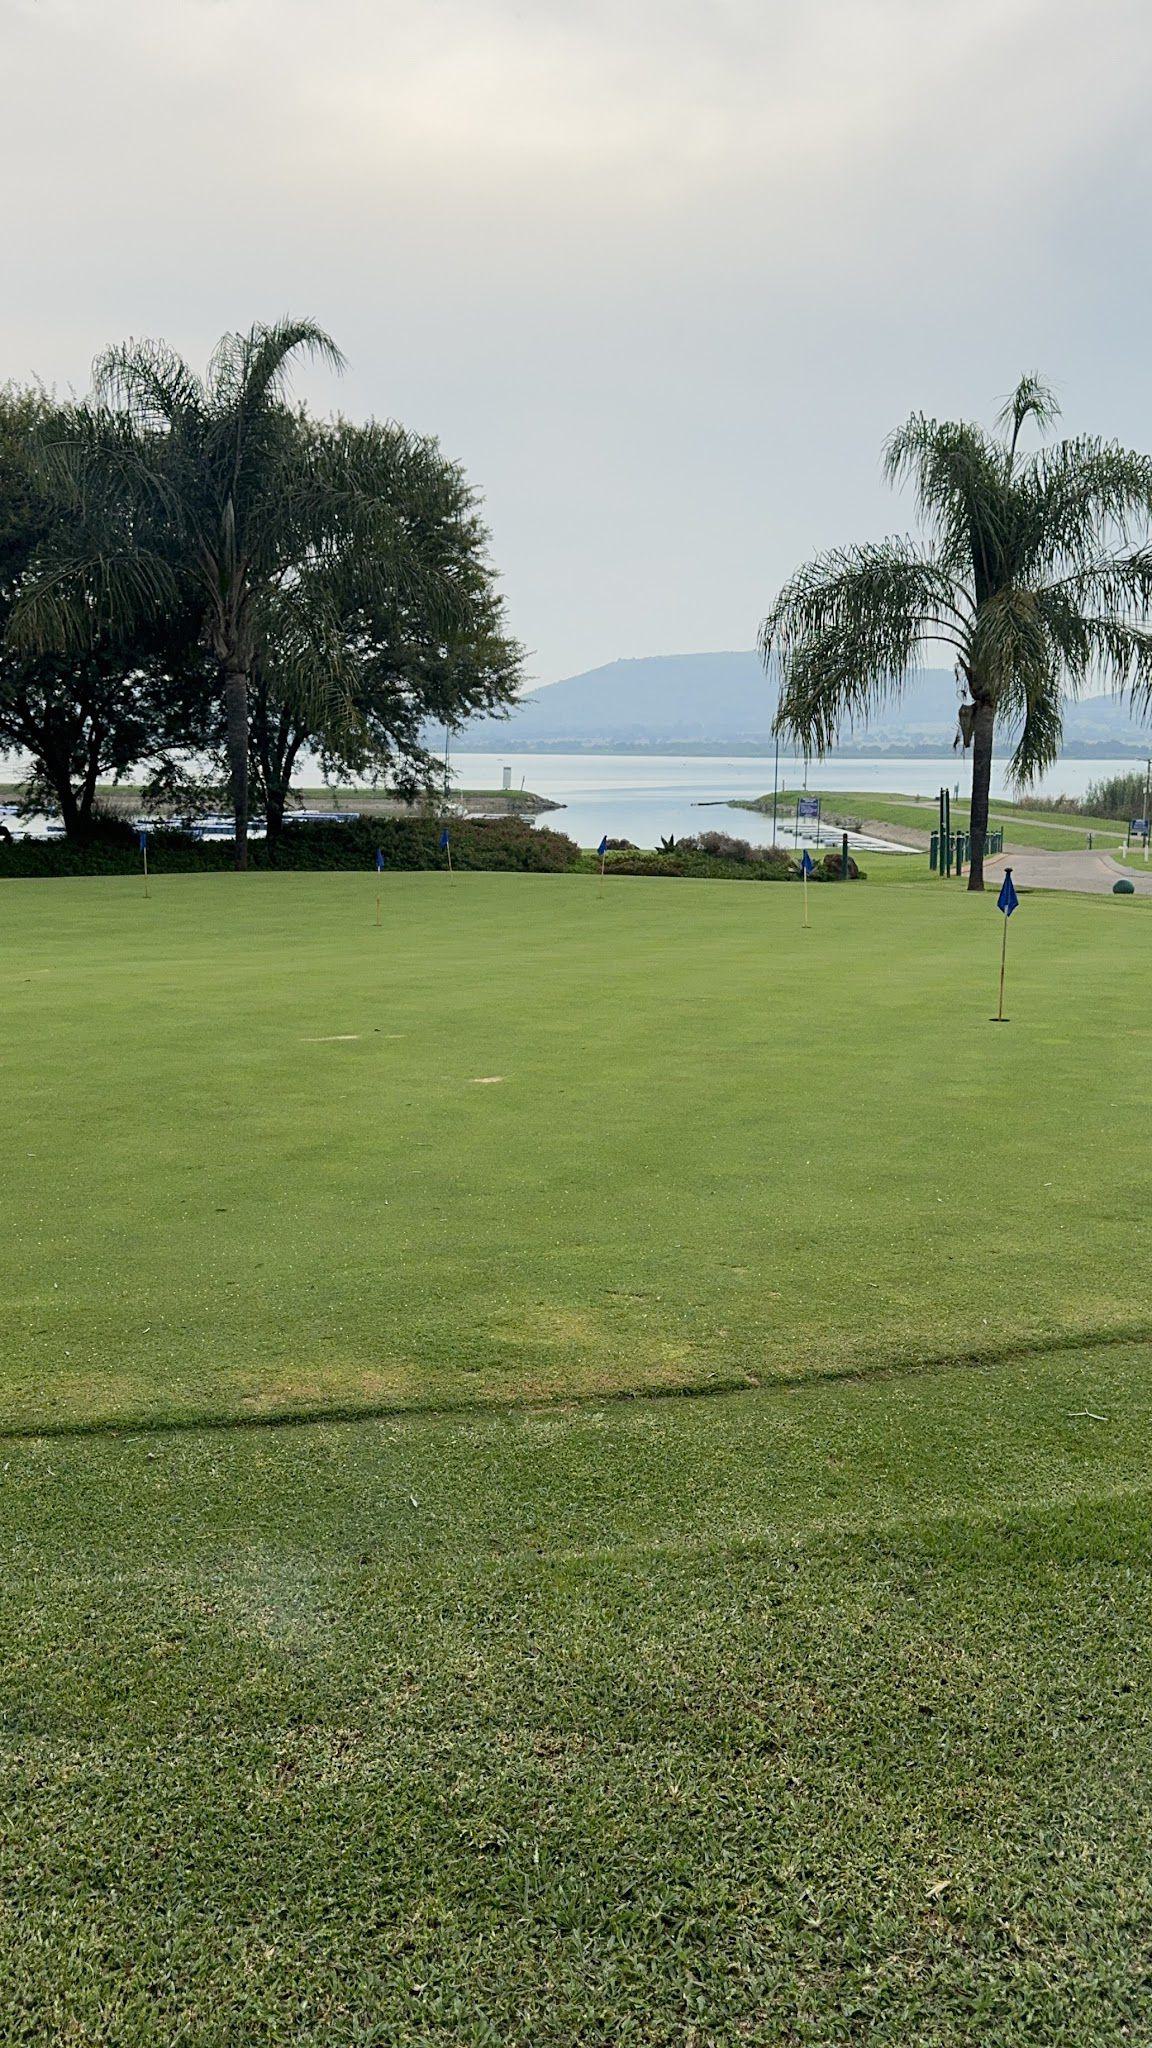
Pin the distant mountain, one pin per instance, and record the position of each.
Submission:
(720, 703)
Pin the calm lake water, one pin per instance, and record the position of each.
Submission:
(644, 797)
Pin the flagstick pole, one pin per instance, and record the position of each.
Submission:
(377, 906)
(144, 850)
(807, 926)
(1003, 957)
(603, 858)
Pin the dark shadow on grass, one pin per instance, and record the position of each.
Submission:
(907, 1367)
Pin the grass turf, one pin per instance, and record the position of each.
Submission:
(259, 1160)
(1047, 831)
(1050, 831)
(811, 1714)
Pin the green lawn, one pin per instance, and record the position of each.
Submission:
(815, 1713)
(1048, 831)
(257, 1163)
(817, 1716)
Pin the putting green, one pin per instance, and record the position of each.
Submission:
(250, 1170)
(816, 1713)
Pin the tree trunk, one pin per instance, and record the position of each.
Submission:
(56, 766)
(236, 726)
(75, 827)
(278, 747)
(89, 785)
(274, 801)
(982, 728)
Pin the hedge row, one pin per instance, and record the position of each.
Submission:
(406, 843)
(507, 844)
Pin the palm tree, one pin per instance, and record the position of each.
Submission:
(1028, 572)
(217, 484)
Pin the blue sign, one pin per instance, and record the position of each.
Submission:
(808, 807)
(1140, 828)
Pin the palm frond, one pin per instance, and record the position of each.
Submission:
(1074, 500)
(76, 600)
(1032, 399)
(249, 370)
(847, 628)
(958, 476)
(148, 381)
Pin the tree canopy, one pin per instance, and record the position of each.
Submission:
(334, 578)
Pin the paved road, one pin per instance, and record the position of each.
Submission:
(1090, 874)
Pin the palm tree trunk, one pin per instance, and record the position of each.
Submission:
(236, 729)
(982, 728)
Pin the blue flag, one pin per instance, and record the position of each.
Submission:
(603, 846)
(444, 840)
(807, 864)
(379, 861)
(1007, 899)
(143, 840)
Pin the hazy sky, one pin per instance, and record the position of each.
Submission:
(661, 273)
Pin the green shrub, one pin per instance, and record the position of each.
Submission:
(687, 863)
(407, 843)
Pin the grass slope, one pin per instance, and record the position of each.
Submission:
(1047, 831)
(257, 1162)
(812, 1717)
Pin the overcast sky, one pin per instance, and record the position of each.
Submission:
(661, 273)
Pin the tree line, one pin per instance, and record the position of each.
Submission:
(200, 581)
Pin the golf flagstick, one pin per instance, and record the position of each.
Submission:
(602, 849)
(446, 846)
(1006, 902)
(379, 872)
(806, 867)
(144, 851)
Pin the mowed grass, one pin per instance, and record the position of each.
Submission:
(528, 1139)
(816, 1713)
(1047, 831)
(802, 1716)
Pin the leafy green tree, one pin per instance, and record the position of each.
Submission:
(1030, 571)
(111, 702)
(355, 668)
(217, 483)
